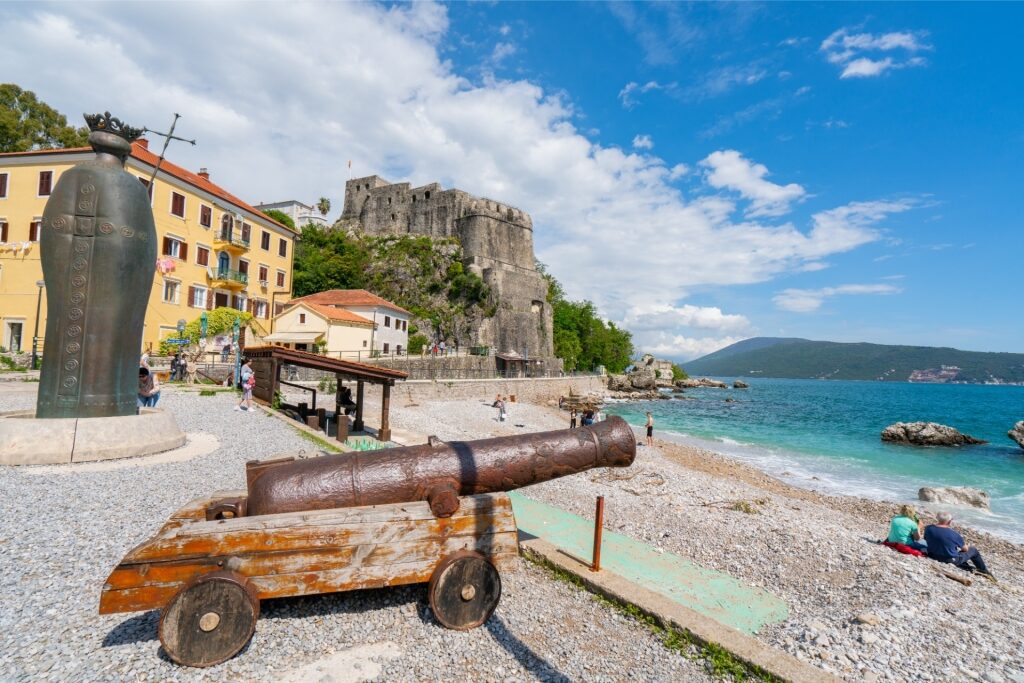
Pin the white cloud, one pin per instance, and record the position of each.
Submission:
(505, 29)
(729, 170)
(808, 300)
(370, 84)
(680, 347)
(629, 91)
(643, 142)
(667, 316)
(848, 51)
(503, 51)
(724, 79)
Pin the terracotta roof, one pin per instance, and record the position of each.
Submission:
(368, 373)
(339, 314)
(142, 154)
(348, 297)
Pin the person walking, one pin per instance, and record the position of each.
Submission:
(650, 429)
(500, 405)
(572, 419)
(247, 380)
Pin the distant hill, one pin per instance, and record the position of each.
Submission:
(806, 359)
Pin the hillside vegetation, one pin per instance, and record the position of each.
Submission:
(805, 359)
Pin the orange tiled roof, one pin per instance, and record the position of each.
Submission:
(339, 314)
(348, 297)
(142, 154)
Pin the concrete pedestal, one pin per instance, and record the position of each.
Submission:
(24, 440)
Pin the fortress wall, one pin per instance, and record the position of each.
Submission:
(490, 238)
(523, 322)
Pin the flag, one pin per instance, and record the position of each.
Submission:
(350, 163)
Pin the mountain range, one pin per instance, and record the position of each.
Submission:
(790, 357)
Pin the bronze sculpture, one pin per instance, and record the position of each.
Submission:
(438, 472)
(98, 250)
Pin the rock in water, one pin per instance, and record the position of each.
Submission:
(926, 434)
(692, 383)
(958, 495)
(619, 383)
(740, 384)
(1017, 433)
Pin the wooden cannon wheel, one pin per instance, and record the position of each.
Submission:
(464, 590)
(210, 619)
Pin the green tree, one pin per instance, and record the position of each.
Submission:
(280, 217)
(218, 321)
(324, 206)
(678, 373)
(27, 123)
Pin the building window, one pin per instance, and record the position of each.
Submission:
(405, 324)
(246, 232)
(282, 247)
(175, 248)
(265, 241)
(33, 231)
(202, 256)
(364, 343)
(264, 275)
(45, 183)
(243, 267)
(386, 347)
(171, 291)
(240, 301)
(260, 309)
(387, 321)
(426, 195)
(280, 278)
(197, 296)
(3, 185)
(178, 205)
(225, 227)
(302, 318)
(3, 231)
(398, 349)
(205, 216)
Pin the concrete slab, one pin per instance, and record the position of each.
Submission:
(707, 592)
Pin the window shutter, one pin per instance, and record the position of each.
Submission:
(183, 252)
(191, 296)
(167, 246)
(248, 306)
(209, 299)
(3, 231)
(33, 231)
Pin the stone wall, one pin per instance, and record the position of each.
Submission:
(497, 243)
(537, 390)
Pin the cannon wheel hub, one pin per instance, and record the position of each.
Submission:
(210, 619)
(464, 590)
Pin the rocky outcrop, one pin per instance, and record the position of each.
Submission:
(643, 378)
(957, 495)
(926, 434)
(639, 383)
(692, 383)
(1017, 433)
(740, 384)
(619, 383)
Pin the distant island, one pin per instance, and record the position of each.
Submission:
(793, 358)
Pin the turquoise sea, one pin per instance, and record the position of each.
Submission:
(824, 435)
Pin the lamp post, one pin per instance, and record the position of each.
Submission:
(181, 328)
(234, 343)
(35, 335)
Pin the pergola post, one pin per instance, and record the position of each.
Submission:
(357, 426)
(385, 406)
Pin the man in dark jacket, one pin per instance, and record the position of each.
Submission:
(946, 545)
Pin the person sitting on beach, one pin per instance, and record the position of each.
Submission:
(905, 530)
(946, 545)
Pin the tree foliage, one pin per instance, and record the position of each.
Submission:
(323, 205)
(280, 217)
(678, 373)
(582, 339)
(218, 321)
(27, 123)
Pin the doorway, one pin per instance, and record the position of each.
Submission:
(14, 336)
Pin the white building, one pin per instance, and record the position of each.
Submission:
(299, 213)
(350, 322)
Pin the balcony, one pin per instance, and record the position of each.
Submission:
(225, 278)
(230, 241)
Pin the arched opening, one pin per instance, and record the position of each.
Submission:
(223, 262)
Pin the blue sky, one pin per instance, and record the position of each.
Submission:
(704, 173)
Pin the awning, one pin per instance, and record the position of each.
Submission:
(293, 337)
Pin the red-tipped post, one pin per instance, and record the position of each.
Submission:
(595, 566)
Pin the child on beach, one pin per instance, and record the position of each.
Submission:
(650, 429)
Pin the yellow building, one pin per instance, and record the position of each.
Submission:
(215, 250)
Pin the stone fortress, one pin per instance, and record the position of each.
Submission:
(497, 245)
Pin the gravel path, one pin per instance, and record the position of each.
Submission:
(813, 551)
(61, 533)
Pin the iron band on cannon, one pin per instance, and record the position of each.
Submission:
(435, 513)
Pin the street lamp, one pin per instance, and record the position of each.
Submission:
(35, 336)
(181, 328)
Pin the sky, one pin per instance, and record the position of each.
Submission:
(703, 173)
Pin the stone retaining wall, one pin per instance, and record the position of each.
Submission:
(534, 389)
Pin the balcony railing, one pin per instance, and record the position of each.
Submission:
(229, 237)
(229, 275)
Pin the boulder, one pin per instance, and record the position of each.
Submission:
(619, 383)
(740, 384)
(1017, 433)
(957, 495)
(701, 382)
(643, 378)
(926, 434)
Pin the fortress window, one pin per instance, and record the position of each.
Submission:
(511, 215)
(367, 187)
(414, 199)
(426, 195)
(394, 217)
(389, 201)
(536, 306)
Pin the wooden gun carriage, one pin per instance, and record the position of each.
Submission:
(434, 514)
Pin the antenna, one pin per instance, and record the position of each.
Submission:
(168, 136)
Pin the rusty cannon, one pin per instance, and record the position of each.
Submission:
(436, 513)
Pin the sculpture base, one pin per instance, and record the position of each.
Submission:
(25, 440)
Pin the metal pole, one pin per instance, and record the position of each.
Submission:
(598, 526)
(238, 354)
(35, 335)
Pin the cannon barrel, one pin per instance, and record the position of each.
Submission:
(438, 472)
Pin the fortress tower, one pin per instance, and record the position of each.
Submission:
(497, 242)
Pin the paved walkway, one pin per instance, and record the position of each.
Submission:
(708, 592)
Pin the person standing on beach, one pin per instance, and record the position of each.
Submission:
(946, 545)
(650, 429)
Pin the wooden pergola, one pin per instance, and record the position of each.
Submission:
(268, 360)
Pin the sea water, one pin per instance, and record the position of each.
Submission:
(825, 435)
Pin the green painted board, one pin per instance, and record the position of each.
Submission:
(709, 592)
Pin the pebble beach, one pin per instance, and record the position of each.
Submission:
(856, 609)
